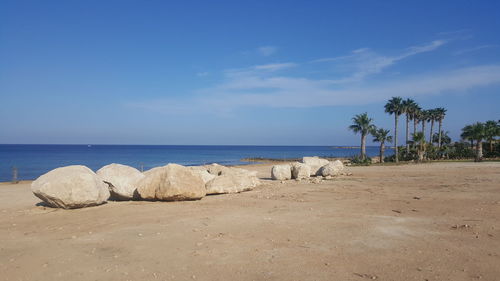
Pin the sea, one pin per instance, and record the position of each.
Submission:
(30, 160)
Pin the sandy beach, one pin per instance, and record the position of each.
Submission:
(438, 221)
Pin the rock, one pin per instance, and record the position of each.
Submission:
(233, 180)
(203, 173)
(300, 171)
(215, 169)
(231, 184)
(281, 172)
(234, 170)
(121, 180)
(315, 163)
(71, 187)
(332, 169)
(316, 180)
(171, 183)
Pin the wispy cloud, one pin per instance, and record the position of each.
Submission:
(268, 86)
(258, 70)
(267, 50)
(301, 92)
(364, 61)
(473, 49)
(275, 66)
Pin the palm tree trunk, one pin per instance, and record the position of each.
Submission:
(407, 132)
(479, 150)
(432, 130)
(396, 137)
(491, 145)
(382, 150)
(439, 135)
(423, 128)
(415, 123)
(363, 147)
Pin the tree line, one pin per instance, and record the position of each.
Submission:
(417, 147)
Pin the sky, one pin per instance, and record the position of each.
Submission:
(239, 72)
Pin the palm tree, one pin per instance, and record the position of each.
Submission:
(492, 130)
(478, 133)
(443, 137)
(440, 114)
(362, 124)
(394, 106)
(381, 135)
(424, 118)
(409, 106)
(417, 112)
(467, 135)
(432, 117)
(419, 139)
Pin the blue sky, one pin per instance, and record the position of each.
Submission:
(239, 72)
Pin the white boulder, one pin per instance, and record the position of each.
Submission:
(315, 163)
(281, 172)
(121, 180)
(215, 169)
(332, 169)
(71, 187)
(203, 173)
(171, 183)
(232, 183)
(300, 171)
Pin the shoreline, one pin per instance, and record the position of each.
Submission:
(259, 161)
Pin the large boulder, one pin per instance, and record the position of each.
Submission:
(315, 163)
(121, 180)
(233, 180)
(215, 169)
(281, 172)
(203, 173)
(71, 187)
(171, 183)
(234, 170)
(300, 171)
(332, 169)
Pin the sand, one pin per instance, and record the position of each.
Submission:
(437, 221)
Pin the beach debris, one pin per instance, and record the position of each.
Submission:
(315, 163)
(171, 183)
(300, 171)
(281, 172)
(334, 168)
(462, 226)
(417, 198)
(121, 180)
(397, 211)
(233, 180)
(316, 180)
(71, 187)
(368, 276)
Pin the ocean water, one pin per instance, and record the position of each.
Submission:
(32, 161)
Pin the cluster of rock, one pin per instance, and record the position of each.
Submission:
(310, 166)
(78, 186)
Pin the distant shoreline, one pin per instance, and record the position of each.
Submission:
(267, 160)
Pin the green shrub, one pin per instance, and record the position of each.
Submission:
(357, 160)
